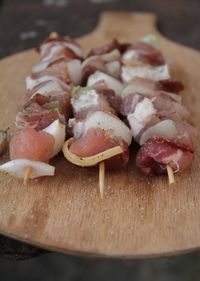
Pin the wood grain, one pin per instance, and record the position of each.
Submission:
(139, 216)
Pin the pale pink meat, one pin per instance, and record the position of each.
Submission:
(32, 145)
(96, 141)
(147, 53)
(36, 117)
(156, 153)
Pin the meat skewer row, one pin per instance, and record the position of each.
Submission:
(127, 61)
(160, 124)
(41, 125)
(99, 136)
(106, 59)
(143, 59)
(101, 70)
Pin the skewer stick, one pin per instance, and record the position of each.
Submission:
(170, 175)
(101, 178)
(27, 174)
(53, 35)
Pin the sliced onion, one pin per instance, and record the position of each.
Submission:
(76, 49)
(166, 128)
(130, 55)
(111, 82)
(111, 56)
(134, 89)
(105, 122)
(91, 160)
(150, 72)
(31, 83)
(50, 86)
(74, 69)
(44, 47)
(114, 68)
(40, 66)
(57, 130)
(175, 97)
(43, 65)
(88, 60)
(54, 52)
(17, 167)
(143, 113)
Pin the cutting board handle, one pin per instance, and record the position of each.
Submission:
(111, 22)
(111, 25)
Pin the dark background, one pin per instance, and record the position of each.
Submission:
(23, 24)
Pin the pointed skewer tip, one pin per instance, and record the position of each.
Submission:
(170, 175)
(27, 174)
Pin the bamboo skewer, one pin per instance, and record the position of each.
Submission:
(170, 175)
(101, 178)
(53, 35)
(27, 174)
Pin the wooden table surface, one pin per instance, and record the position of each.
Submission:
(23, 24)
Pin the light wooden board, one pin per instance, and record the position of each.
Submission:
(138, 216)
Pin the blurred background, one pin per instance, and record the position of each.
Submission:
(23, 24)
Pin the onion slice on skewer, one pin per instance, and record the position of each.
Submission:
(150, 72)
(18, 167)
(91, 160)
(109, 81)
(57, 130)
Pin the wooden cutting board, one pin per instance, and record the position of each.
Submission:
(139, 216)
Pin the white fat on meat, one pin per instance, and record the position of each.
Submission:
(51, 86)
(103, 121)
(143, 113)
(166, 128)
(150, 72)
(17, 167)
(85, 100)
(57, 130)
(88, 60)
(135, 89)
(108, 80)
(54, 52)
(174, 159)
(130, 55)
(74, 70)
(31, 83)
(51, 50)
(55, 49)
